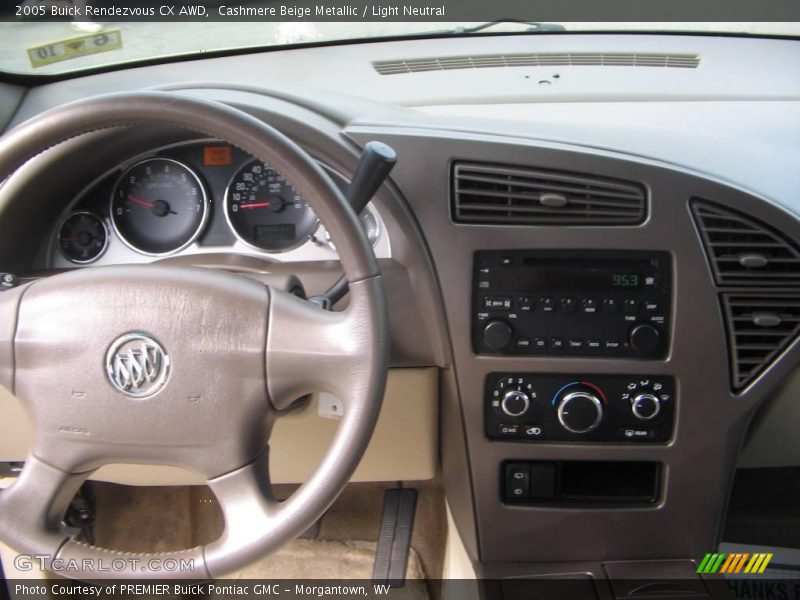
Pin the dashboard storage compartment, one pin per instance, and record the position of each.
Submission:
(580, 482)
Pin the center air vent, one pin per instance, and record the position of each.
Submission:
(743, 251)
(760, 327)
(537, 59)
(497, 194)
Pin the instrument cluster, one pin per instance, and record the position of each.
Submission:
(192, 198)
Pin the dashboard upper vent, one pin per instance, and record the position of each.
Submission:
(497, 194)
(571, 59)
(760, 327)
(743, 251)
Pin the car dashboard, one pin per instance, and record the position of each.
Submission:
(598, 261)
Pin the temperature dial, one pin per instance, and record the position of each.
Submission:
(580, 412)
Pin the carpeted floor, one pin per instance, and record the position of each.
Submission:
(322, 559)
(159, 519)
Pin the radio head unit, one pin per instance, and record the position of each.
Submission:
(572, 302)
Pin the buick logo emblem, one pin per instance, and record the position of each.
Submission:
(137, 365)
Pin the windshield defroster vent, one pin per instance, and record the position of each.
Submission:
(760, 327)
(497, 194)
(743, 251)
(538, 59)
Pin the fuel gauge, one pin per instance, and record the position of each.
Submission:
(82, 237)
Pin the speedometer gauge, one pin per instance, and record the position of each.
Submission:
(158, 206)
(265, 211)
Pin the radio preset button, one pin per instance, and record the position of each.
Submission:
(525, 304)
(610, 305)
(567, 304)
(589, 305)
(539, 343)
(631, 306)
(557, 343)
(546, 304)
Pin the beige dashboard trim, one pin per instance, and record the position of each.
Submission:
(404, 447)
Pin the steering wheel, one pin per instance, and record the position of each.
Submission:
(183, 366)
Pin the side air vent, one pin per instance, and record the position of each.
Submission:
(497, 194)
(743, 251)
(573, 59)
(760, 327)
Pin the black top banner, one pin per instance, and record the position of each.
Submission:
(406, 10)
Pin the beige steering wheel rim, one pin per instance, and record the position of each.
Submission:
(303, 349)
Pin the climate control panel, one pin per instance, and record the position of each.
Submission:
(598, 408)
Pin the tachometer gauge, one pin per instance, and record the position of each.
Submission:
(158, 206)
(265, 211)
(82, 237)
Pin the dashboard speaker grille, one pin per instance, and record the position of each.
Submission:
(760, 327)
(743, 251)
(498, 194)
(572, 59)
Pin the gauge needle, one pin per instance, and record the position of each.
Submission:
(141, 201)
(160, 207)
(257, 205)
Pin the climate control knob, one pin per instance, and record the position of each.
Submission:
(497, 334)
(580, 412)
(645, 407)
(515, 404)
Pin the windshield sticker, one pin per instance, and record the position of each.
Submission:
(74, 47)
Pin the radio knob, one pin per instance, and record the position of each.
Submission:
(497, 334)
(645, 407)
(580, 412)
(644, 337)
(515, 404)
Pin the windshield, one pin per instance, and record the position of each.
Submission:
(32, 46)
